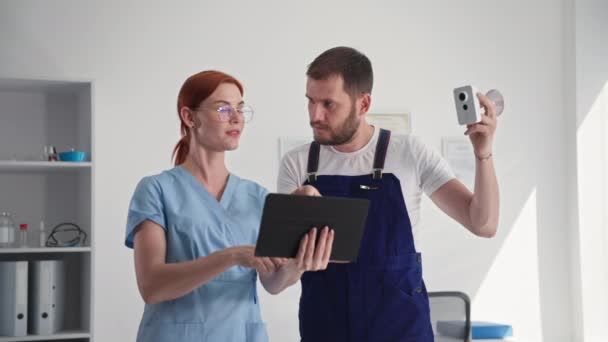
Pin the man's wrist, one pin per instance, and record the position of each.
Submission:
(483, 157)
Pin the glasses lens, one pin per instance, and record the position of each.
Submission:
(224, 113)
(247, 113)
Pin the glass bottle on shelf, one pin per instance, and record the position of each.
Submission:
(7, 230)
(42, 234)
(23, 235)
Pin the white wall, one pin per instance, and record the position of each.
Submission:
(589, 129)
(138, 53)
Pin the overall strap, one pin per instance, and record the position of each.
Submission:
(380, 156)
(313, 162)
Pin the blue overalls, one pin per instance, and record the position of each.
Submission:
(380, 297)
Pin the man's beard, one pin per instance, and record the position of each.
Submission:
(344, 134)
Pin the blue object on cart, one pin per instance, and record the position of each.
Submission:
(487, 330)
(479, 330)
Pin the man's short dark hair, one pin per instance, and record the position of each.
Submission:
(353, 66)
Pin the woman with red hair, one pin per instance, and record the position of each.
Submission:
(193, 229)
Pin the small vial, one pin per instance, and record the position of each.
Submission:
(23, 235)
(52, 153)
(42, 235)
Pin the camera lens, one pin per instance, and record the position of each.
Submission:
(465, 107)
(462, 96)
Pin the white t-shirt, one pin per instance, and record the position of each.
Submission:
(418, 168)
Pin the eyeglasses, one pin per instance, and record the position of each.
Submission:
(226, 112)
(66, 234)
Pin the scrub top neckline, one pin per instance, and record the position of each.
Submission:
(226, 195)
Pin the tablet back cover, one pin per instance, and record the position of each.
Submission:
(286, 218)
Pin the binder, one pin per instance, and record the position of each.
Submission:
(46, 295)
(13, 298)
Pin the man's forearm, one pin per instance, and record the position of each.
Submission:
(484, 208)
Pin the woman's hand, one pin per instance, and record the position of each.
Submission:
(313, 255)
(245, 256)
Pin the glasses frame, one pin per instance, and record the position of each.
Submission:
(226, 112)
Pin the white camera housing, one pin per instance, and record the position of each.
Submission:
(467, 105)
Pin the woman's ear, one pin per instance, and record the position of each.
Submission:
(187, 116)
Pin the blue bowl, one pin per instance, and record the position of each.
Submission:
(72, 156)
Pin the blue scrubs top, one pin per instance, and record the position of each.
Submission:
(196, 224)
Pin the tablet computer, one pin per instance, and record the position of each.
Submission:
(286, 218)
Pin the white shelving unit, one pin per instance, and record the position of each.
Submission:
(31, 250)
(33, 114)
(41, 166)
(64, 336)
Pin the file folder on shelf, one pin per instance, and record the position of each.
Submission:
(13, 298)
(46, 296)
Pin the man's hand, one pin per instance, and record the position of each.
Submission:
(307, 190)
(482, 133)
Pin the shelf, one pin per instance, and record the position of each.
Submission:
(37, 113)
(32, 250)
(66, 335)
(36, 85)
(41, 166)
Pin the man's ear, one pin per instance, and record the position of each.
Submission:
(365, 101)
